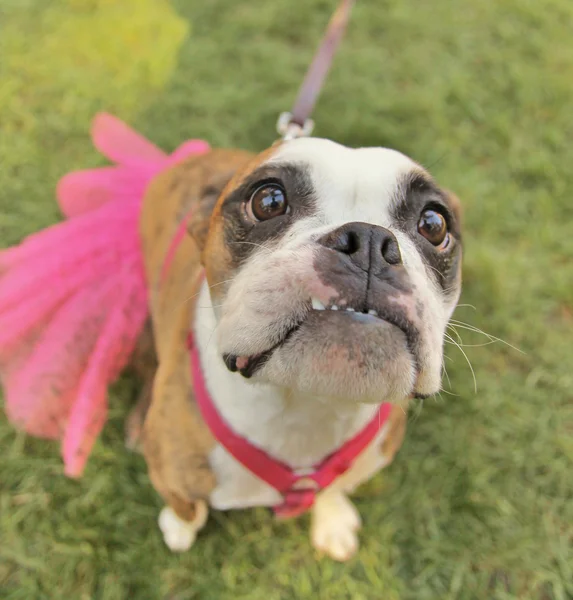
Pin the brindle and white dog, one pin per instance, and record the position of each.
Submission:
(331, 274)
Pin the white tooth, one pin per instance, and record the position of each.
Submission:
(334, 307)
(372, 312)
(350, 309)
(317, 304)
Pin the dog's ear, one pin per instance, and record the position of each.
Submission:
(186, 192)
(198, 226)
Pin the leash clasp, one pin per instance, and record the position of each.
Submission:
(289, 129)
(297, 123)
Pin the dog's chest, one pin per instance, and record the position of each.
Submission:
(237, 487)
(299, 431)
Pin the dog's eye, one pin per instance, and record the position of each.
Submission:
(267, 202)
(432, 225)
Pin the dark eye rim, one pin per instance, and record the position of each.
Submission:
(440, 209)
(253, 189)
(257, 185)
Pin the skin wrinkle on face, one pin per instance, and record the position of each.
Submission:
(278, 266)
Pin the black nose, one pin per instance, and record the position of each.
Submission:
(369, 247)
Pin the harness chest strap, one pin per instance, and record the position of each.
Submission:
(298, 490)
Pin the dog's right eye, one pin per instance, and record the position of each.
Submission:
(432, 225)
(267, 201)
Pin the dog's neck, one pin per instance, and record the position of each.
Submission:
(298, 429)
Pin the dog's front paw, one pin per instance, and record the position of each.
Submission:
(335, 523)
(178, 534)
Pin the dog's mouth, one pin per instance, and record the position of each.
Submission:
(248, 366)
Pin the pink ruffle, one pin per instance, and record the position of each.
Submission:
(73, 298)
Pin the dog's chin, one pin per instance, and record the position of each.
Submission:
(351, 356)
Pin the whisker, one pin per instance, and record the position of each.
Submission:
(211, 306)
(254, 244)
(454, 330)
(447, 375)
(469, 325)
(221, 283)
(449, 326)
(210, 287)
(466, 357)
(479, 345)
(417, 411)
(211, 336)
(448, 392)
(466, 306)
(437, 160)
(436, 270)
(455, 323)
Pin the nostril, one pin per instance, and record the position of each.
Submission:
(347, 242)
(353, 243)
(391, 251)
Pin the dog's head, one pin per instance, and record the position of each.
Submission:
(334, 271)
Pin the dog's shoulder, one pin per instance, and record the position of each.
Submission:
(175, 439)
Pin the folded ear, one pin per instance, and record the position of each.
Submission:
(200, 216)
(187, 192)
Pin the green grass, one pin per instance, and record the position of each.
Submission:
(479, 503)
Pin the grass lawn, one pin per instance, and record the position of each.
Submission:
(479, 503)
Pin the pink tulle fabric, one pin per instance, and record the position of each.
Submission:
(73, 297)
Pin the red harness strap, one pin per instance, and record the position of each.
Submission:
(298, 491)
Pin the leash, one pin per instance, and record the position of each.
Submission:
(298, 123)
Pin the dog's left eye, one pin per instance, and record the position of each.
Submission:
(432, 225)
(267, 202)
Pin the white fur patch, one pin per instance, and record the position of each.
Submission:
(352, 184)
(178, 534)
(334, 526)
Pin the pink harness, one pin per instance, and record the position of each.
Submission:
(298, 490)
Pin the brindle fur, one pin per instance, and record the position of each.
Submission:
(175, 440)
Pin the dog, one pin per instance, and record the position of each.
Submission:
(316, 281)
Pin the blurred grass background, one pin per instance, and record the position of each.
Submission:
(479, 503)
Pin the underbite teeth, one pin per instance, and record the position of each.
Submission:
(317, 304)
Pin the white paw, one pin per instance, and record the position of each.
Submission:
(334, 527)
(178, 534)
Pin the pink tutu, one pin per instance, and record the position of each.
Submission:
(73, 298)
